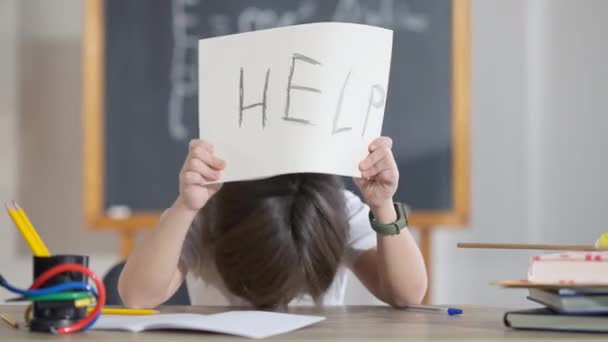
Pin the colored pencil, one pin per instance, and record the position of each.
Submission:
(41, 248)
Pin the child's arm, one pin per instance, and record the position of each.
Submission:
(394, 271)
(152, 273)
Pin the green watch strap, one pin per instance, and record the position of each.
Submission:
(392, 228)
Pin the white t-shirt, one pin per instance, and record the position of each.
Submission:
(206, 286)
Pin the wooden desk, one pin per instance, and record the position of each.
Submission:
(355, 323)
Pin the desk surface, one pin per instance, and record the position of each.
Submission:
(354, 323)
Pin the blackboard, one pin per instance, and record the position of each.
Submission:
(141, 91)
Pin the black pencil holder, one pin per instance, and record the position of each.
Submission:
(50, 315)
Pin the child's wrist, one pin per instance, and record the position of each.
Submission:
(384, 212)
(181, 207)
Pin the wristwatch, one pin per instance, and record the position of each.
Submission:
(390, 228)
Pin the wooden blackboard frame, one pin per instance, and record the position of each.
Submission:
(94, 134)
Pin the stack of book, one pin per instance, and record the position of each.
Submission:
(572, 287)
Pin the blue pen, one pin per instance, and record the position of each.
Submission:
(427, 308)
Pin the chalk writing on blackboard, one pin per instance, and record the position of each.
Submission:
(254, 18)
(183, 64)
(396, 15)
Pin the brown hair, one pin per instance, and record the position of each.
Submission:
(276, 238)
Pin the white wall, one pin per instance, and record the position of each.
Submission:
(498, 156)
(572, 124)
(539, 90)
(9, 238)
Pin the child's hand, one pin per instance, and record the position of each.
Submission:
(201, 166)
(380, 174)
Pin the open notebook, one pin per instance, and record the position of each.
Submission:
(252, 324)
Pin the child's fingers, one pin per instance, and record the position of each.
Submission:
(388, 176)
(382, 160)
(192, 178)
(379, 143)
(208, 158)
(199, 143)
(381, 166)
(198, 166)
(375, 157)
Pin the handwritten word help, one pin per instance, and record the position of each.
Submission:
(377, 97)
(304, 98)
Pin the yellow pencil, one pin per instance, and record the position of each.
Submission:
(125, 311)
(40, 246)
(25, 232)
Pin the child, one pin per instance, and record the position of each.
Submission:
(277, 241)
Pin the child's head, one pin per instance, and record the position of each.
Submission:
(277, 238)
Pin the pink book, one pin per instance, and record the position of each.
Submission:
(569, 268)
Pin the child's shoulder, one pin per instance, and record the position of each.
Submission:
(351, 198)
(354, 204)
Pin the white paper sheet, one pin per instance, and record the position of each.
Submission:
(304, 98)
(252, 324)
